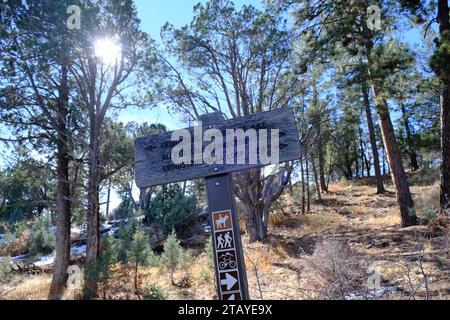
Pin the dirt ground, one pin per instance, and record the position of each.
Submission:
(330, 253)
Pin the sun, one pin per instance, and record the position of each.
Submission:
(108, 51)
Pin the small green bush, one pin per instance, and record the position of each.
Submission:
(172, 209)
(175, 256)
(106, 259)
(154, 292)
(42, 240)
(428, 204)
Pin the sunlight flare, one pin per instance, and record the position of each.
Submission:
(107, 51)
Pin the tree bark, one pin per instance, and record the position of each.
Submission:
(308, 190)
(355, 150)
(257, 197)
(302, 169)
(412, 153)
(373, 141)
(92, 251)
(399, 179)
(108, 198)
(444, 27)
(316, 179)
(363, 154)
(62, 254)
(320, 144)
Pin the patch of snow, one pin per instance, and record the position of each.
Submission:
(76, 229)
(18, 258)
(379, 293)
(112, 232)
(45, 261)
(78, 250)
(105, 225)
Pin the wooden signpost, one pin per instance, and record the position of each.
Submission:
(154, 166)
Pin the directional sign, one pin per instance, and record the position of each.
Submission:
(229, 281)
(153, 154)
(232, 297)
(157, 162)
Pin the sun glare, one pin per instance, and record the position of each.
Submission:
(108, 51)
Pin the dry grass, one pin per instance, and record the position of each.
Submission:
(32, 288)
(298, 262)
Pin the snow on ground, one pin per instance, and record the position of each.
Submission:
(379, 293)
(45, 261)
(76, 230)
(78, 250)
(18, 259)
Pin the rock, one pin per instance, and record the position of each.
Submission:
(196, 240)
(345, 212)
(202, 213)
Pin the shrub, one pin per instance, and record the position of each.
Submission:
(134, 247)
(141, 254)
(174, 255)
(5, 270)
(42, 239)
(428, 204)
(15, 239)
(126, 234)
(335, 271)
(172, 209)
(106, 259)
(154, 292)
(206, 274)
(210, 255)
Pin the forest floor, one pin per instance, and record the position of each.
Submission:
(333, 252)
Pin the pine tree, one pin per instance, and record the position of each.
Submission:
(173, 254)
(141, 254)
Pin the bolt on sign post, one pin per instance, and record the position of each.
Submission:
(213, 150)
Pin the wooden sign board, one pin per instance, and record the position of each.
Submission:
(154, 165)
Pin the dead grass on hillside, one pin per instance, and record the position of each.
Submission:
(323, 254)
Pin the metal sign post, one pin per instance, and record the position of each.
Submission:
(231, 274)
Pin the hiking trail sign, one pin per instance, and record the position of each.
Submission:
(156, 163)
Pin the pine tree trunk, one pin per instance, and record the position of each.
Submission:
(355, 150)
(62, 254)
(444, 26)
(323, 185)
(308, 190)
(136, 277)
(373, 142)
(108, 198)
(90, 283)
(316, 179)
(257, 228)
(303, 186)
(412, 153)
(363, 155)
(445, 169)
(63, 207)
(399, 180)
